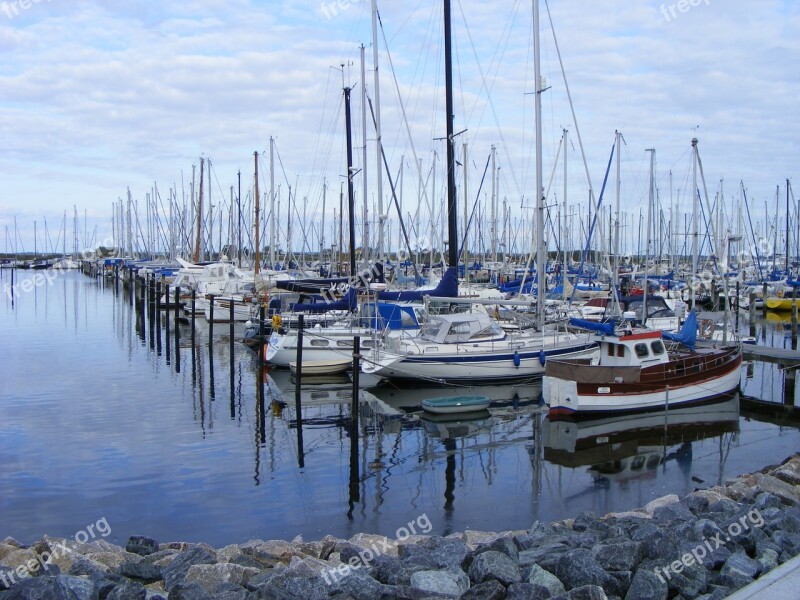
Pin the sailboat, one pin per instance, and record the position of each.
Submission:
(471, 346)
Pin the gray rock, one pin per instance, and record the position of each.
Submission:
(696, 503)
(128, 590)
(788, 542)
(768, 560)
(188, 591)
(139, 544)
(210, 577)
(60, 587)
(505, 545)
(359, 585)
(740, 563)
(175, 572)
(577, 568)
(494, 565)
(447, 552)
(488, 590)
(143, 571)
(723, 505)
(85, 566)
(646, 585)
(230, 591)
(526, 591)
(790, 473)
(786, 492)
(705, 529)
(389, 570)
(542, 577)
(546, 556)
(765, 500)
(585, 592)
(452, 582)
(308, 588)
(732, 579)
(619, 557)
(677, 511)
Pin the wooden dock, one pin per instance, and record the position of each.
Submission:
(783, 356)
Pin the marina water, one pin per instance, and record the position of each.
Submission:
(99, 418)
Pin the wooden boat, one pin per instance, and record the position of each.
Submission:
(323, 367)
(456, 404)
(636, 372)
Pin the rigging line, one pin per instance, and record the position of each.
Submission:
(485, 86)
(405, 122)
(571, 105)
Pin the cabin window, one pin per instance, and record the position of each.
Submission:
(641, 350)
(319, 342)
(611, 349)
(620, 351)
(657, 347)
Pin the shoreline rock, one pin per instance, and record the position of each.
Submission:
(703, 546)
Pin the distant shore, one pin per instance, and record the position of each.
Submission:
(707, 544)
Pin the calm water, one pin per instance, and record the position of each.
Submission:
(99, 419)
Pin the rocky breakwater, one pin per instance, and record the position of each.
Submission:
(705, 545)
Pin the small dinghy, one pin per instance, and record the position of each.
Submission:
(323, 367)
(456, 404)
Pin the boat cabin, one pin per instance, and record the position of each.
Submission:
(639, 348)
(461, 328)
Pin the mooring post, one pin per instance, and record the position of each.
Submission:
(298, 376)
(752, 314)
(789, 383)
(158, 298)
(737, 308)
(794, 318)
(177, 330)
(166, 318)
(211, 319)
(233, 372)
(764, 295)
(356, 373)
(193, 297)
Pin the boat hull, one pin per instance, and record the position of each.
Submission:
(705, 382)
(456, 405)
(463, 367)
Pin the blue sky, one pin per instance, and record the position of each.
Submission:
(99, 96)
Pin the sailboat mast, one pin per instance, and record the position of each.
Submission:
(257, 225)
(199, 213)
(378, 141)
(452, 216)
(272, 215)
(541, 252)
(695, 217)
(350, 198)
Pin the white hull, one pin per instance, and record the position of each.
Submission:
(322, 367)
(242, 311)
(318, 345)
(563, 397)
(513, 359)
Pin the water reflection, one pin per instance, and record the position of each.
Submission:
(207, 446)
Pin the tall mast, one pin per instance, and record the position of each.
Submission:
(541, 251)
(452, 216)
(787, 229)
(257, 226)
(378, 141)
(199, 213)
(365, 237)
(272, 215)
(695, 211)
(350, 198)
(650, 211)
(494, 206)
(564, 232)
(617, 136)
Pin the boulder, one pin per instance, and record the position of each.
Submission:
(176, 571)
(453, 582)
(541, 577)
(646, 585)
(142, 545)
(494, 565)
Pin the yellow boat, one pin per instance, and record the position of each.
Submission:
(775, 303)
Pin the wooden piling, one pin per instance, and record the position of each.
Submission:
(752, 314)
(211, 319)
(794, 318)
(298, 376)
(177, 330)
(356, 374)
(231, 331)
(166, 320)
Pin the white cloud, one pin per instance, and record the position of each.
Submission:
(98, 96)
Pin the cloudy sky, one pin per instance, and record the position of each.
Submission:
(96, 97)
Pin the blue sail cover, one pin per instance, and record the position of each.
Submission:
(346, 302)
(688, 333)
(601, 328)
(447, 288)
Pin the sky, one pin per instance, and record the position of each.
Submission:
(100, 97)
